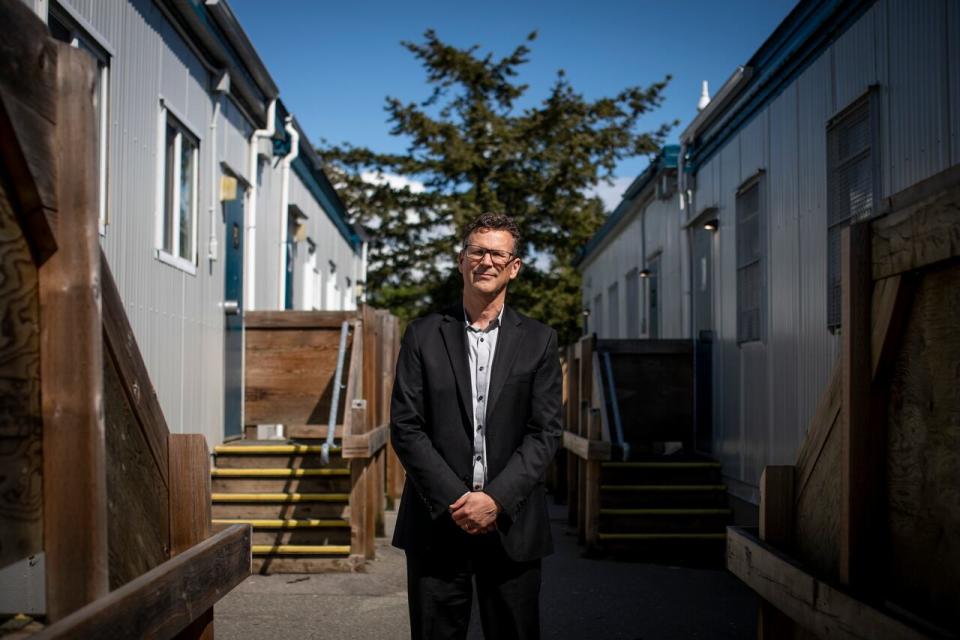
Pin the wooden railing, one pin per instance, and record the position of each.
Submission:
(117, 504)
(846, 546)
(290, 379)
(599, 421)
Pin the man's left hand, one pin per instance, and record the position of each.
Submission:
(475, 512)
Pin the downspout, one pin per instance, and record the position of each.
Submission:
(364, 249)
(213, 247)
(284, 206)
(250, 243)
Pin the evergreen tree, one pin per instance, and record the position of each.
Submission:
(474, 150)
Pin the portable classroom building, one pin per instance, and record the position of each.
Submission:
(191, 179)
(637, 253)
(845, 105)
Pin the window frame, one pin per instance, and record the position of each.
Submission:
(755, 181)
(169, 117)
(870, 101)
(83, 36)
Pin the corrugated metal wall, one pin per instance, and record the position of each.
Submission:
(176, 316)
(625, 252)
(331, 246)
(765, 392)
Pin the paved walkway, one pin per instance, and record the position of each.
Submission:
(582, 599)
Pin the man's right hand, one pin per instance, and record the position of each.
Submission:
(473, 512)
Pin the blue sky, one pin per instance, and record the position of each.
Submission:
(335, 62)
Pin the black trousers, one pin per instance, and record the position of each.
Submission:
(440, 590)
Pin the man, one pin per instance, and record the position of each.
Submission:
(475, 420)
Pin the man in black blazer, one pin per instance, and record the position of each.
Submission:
(475, 420)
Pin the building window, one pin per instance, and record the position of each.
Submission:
(64, 28)
(653, 284)
(750, 261)
(176, 237)
(851, 185)
(613, 310)
(633, 303)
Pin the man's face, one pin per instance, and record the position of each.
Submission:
(488, 274)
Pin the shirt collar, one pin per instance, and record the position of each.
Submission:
(490, 327)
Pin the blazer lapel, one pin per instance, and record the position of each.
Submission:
(454, 339)
(508, 344)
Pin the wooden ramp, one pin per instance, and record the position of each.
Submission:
(312, 512)
(635, 485)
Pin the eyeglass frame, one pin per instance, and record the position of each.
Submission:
(486, 250)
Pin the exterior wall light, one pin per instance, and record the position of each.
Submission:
(645, 273)
(711, 225)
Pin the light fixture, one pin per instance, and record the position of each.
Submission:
(585, 312)
(711, 225)
(645, 273)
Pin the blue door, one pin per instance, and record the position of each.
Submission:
(233, 322)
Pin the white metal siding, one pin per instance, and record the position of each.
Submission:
(624, 252)
(175, 316)
(918, 91)
(331, 245)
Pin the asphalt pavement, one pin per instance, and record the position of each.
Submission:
(582, 598)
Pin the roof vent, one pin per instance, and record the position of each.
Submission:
(704, 97)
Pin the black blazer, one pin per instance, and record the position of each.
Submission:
(431, 429)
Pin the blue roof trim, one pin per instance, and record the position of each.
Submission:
(665, 159)
(809, 29)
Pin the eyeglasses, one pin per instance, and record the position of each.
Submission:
(476, 253)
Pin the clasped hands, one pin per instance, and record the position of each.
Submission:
(475, 512)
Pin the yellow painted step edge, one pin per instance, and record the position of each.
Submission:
(665, 512)
(286, 524)
(280, 497)
(663, 487)
(661, 536)
(303, 550)
(276, 449)
(277, 473)
(660, 465)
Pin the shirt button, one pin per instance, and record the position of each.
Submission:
(481, 339)
(479, 397)
(479, 426)
(481, 368)
(478, 458)
(476, 487)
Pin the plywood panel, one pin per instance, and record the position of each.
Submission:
(21, 437)
(923, 462)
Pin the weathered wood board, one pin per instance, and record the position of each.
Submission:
(137, 501)
(290, 373)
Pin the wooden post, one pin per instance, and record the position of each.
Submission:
(776, 528)
(583, 422)
(75, 481)
(361, 513)
(591, 483)
(189, 473)
(862, 448)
